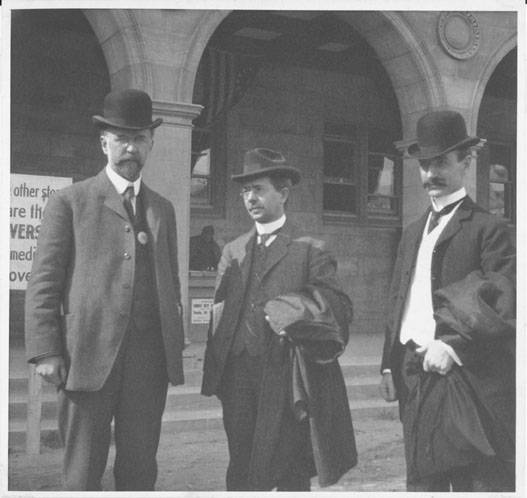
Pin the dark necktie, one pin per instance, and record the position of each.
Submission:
(264, 237)
(128, 195)
(436, 215)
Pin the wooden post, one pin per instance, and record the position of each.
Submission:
(34, 412)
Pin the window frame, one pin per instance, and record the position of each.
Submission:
(483, 177)
(218, 166)
(360, 137)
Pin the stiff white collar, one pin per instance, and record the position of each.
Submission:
(120, 183)
(270, 227)
(439, 203)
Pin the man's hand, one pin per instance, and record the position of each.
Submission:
(52, 369)
(436, 357)
(387, 387)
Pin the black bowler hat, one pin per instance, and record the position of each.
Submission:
(266, 162)
(439, 132)
(129, 109)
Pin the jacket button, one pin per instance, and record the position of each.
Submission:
(127, 228)
(126, 256)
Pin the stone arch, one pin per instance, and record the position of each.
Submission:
(484, 77)
(397, 42)
(123, 47)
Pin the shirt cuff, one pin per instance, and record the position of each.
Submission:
(387, 371)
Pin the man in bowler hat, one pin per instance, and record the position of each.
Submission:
(449, 350)
(285, 412)
(103, 314)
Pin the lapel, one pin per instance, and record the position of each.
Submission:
(152, 211)
(278, 249)
(463, 212)
(414, 236)
(243, 253)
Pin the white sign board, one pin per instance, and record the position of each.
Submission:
(200, 310)
(29, 195)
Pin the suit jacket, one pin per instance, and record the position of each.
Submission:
(293, 262)
(473, 241)
(79, 298)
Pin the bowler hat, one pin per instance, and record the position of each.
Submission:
(266, 162)
(129, 109)
(439, 132)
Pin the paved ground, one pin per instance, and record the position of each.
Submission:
(196, 460)
(192, 461)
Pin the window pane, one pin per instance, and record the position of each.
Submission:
(338, 160)
(497, 198)
(498, 173)
(380, 175)
(340, 198)
(200, 191)
(382, 204)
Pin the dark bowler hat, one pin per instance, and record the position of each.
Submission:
(439, 132)
(266, 162)
(129, 109)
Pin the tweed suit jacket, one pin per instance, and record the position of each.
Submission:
(79, 298)
(292, 262)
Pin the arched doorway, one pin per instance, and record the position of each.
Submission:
(311, 86)
(496, 175)
(58, 81)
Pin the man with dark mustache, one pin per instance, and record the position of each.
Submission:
(103, 313)
(449, 350)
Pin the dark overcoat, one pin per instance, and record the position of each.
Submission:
(79, 297)
(473, 240)
(293, 263)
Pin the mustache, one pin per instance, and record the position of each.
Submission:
(128, 159)
(434, 182)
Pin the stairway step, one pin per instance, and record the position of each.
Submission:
(359, 367)
(196, 420)
(182, 398)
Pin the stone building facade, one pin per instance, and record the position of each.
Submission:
(339, 93)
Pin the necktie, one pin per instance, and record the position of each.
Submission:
(128, 195)
(436, 215)
(264, 237)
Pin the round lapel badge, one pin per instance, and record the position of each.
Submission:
(142, 237)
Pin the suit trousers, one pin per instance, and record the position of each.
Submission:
(134, 396)
(239, 396)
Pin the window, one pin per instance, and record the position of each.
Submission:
(495, 178)
(361, 175)
(340, 174)
(501, 162)
(207, 183)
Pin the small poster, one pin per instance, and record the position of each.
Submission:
(200, 310)
(29, 195)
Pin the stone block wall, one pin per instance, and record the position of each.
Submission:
(286, 109)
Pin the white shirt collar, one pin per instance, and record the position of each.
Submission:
(439, 203)
(262, 228)
(120, 183)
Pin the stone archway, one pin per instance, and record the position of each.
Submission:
(122, 43)
(406, 61)
(485, 75)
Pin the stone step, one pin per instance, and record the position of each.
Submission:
(357, 368)
(181, 398)
(196, 420)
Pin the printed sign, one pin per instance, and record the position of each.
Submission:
(29, 195)
(200, 310)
